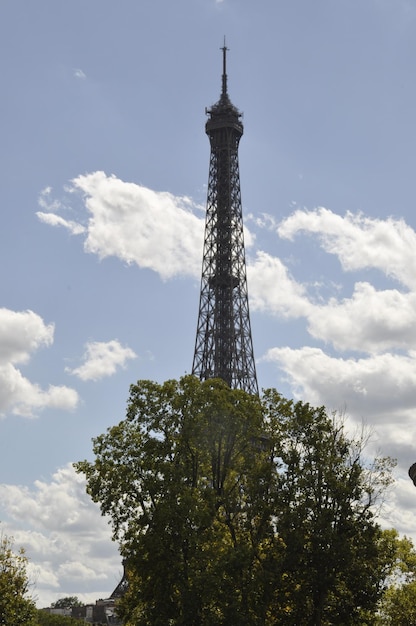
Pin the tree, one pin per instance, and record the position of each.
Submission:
(178, 478)
(47, 619)
(334, 564)
(398, 604)
(16, 606)
(235, 510)
(66, 603)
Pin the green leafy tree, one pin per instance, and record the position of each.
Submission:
(187, 489)
(235, 510)
(398, 604)
(398, 607)
(47, 619)
(66, 603)
(16, 606)
(334, 565)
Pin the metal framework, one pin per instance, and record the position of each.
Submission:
(121, 588)
(224, 347)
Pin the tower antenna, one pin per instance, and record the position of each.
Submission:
(224, 69)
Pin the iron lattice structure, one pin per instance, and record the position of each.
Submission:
(121, 588)
(224, 347)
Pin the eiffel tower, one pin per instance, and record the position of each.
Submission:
(223, 346)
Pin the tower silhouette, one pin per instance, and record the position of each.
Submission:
(223, 346)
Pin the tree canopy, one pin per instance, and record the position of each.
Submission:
(16, 605)
(66, 603)
(230, 509)
(398, 604)
(47, 619)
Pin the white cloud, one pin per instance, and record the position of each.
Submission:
(49, 215)
(45, 200)
(66, 539)
(22, 397)
(21, 333)
(78, 73)
(272, 288)
(56, 220)
(400, 512)
(360, 242)
(370, 321)
(78, 573)
(102, 359)
(374, 388)
(155, 230)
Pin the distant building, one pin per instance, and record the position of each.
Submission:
(102, 613)
(64, 612)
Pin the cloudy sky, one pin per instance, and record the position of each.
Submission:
(104, 167)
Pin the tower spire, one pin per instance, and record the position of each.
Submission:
(223, 346)
(224, 49)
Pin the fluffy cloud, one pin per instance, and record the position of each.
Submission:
(66, 539)
(102, 359)
(398, 510)
(360, 242)
(374, 387)
(155, 230)
(369, 321)
(272, 289)
(21, 333)
(56, 220)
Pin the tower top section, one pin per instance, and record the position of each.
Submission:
(224, 114)
(224, 93)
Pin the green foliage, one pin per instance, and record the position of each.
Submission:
(16, 607)
(66, 603)
(333, 566)
(47, 619)
(232, 510)
(398, 605)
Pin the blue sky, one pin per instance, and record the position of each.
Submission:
(104, 167)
